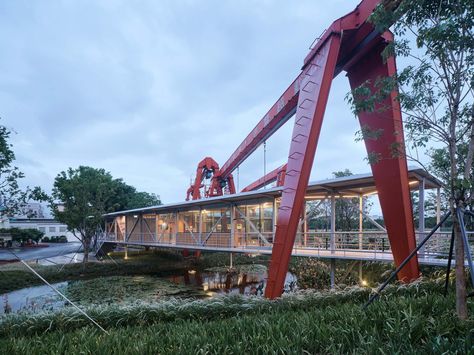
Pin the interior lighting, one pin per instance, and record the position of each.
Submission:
(192, 272)
(414, 182)
(314, 197)
(364, 283)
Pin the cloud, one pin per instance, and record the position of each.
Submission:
(147, 89)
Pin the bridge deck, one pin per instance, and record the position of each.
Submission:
(434, 259)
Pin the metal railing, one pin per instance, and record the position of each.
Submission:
(348, 243)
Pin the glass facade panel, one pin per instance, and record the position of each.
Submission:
(216, 220)
(165, 227)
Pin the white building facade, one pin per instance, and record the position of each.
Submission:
(49, 226)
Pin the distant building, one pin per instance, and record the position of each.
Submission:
(50, 227)
(31, 210)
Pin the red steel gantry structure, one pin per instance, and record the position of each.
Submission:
(353, 45)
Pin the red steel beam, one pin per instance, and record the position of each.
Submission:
(285, 107)
(390, 172)
(315, 86)
(278, 114)
(275, 175)
(352, 44)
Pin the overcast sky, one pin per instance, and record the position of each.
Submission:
(146, 89)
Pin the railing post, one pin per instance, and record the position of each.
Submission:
(421, 213)
(361, 220)
(176, 226)
(200, 226)
(232, 226)
(333, 224)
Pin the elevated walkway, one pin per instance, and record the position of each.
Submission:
(245, 223)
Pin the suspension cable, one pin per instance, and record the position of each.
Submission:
(264, 163)
(59, 292)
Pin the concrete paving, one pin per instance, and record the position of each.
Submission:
(53, 250)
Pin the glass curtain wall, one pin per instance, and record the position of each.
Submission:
(188, 227)
(165, 228)
(216, 227)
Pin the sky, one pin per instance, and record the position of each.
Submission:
(146, 89)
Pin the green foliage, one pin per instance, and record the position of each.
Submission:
(347, 211)
(126, 289)
(435, 89)
(16, 276)
(407, 319)
(23, 235)
(82, 196)
(55, 239)
(13, 199)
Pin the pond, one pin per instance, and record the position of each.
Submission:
(245, 280)
(192, 284)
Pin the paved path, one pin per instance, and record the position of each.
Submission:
(54, 249)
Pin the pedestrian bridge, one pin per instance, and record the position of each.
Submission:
(375, 245)
(244, 223)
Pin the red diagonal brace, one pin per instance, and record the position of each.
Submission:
(312, 100)
(390, 171)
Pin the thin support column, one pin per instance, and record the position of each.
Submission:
(438, 205)
(361, 220)
(176, 227)
(305, 225)
(200, 226)
(332, 241)
(421, 213)
(232, 227)
(231, 260)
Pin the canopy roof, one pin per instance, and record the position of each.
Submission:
(346, 186)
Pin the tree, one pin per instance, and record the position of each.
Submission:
(82, 196)
(436, 95)
(23, 235)
(13, 199)
(347, 211)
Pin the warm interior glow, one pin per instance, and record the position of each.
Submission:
(413, 182)
(364, 283)
(314, 197)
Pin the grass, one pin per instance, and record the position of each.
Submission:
(413, 318)
(407, 319)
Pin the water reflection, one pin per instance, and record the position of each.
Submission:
(249, 283)
(43, 298)
(32, 299)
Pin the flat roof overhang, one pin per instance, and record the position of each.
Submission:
(347, 186)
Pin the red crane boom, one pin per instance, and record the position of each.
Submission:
(351, 44)
(277, 175)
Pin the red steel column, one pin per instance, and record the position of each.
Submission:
(390, 170)
(314, 91)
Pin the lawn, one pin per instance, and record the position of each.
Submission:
(407, 319)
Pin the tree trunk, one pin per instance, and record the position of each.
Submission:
(86, 242)
(461, 296)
